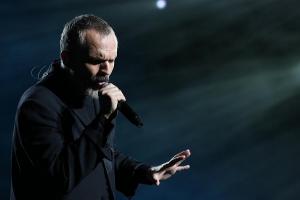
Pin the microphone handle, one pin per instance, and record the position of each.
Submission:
(128, 112)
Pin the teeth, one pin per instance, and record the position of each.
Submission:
(101, 83)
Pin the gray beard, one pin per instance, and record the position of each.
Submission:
(94, 81)
(99, 79)
(92, 93)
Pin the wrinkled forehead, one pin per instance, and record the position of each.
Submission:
(101, 45)
(94, 39)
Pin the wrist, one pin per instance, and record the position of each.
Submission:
(110, 116)
(150, 176)
(105, 116)
(103, 119)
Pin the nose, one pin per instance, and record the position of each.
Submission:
(104, 67)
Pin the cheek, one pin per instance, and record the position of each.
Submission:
(92, 69)
(111, 68)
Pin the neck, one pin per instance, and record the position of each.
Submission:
(78, 84)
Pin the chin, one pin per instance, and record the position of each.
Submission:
(92, 92)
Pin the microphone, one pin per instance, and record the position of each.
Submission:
(129, 113)
(122, 106)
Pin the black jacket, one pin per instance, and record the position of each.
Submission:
(60, 149)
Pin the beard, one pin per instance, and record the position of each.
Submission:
(94, 84)
(95, 81)
(99, 79)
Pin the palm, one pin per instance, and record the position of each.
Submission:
(168, 169)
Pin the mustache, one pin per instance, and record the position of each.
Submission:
(100, 78)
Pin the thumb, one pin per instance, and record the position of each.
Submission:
(157, 182)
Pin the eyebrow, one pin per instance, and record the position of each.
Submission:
(99, 58)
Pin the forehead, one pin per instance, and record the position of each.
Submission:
(101, 46)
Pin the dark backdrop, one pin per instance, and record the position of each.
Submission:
(220, 77)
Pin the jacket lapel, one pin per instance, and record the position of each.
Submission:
(83, 117)
(109, 170)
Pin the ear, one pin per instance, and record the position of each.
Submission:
(65, 57)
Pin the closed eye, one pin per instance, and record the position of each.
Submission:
(96, 61)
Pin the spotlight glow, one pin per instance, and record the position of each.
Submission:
(161, 4)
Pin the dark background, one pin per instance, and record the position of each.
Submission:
(220, 77)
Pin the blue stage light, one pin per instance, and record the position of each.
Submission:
(161, 4)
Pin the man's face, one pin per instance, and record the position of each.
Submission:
(95, 63)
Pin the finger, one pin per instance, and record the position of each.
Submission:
(114, 99)
(179, 160)
(121, 97)
(112, 93)
(156, 179)
(157, 182)
(173, 162)
(105, 85)
(180, 168)
(109, 89)
(186, 153)
(116, 95)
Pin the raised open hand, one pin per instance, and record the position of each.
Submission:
(168, 169)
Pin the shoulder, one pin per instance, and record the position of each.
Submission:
(40, 96)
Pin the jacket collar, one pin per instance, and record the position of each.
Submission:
(61, 83)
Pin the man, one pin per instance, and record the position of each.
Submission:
(63, 136)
